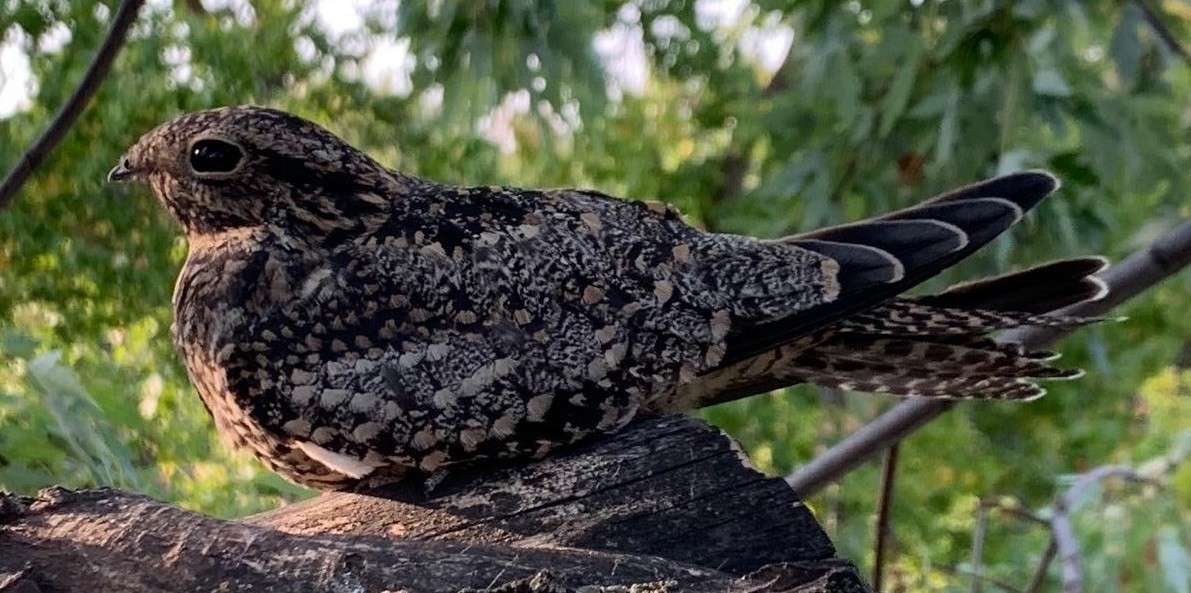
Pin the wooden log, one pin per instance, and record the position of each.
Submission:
(668, 504)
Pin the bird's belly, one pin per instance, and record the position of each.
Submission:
(357, 413)
(238, 429)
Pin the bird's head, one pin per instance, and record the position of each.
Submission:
(239, 167)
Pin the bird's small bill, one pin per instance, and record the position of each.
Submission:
(120, 172)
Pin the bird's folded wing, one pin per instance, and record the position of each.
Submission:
(933, 346)
(883, 257)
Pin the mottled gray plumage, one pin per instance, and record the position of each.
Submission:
(346, 322)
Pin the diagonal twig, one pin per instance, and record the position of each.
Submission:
(884, 507)
(959, 571)
(1039, 576)
(1163, 258)
(977, 561)
(1016, 510)
(1065, 543)
(70, 111)
(1161, 30)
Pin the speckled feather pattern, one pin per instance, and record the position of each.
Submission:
(445, 334)
(412, 324)
(330, 306)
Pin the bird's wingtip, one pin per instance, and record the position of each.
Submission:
(1044, 178)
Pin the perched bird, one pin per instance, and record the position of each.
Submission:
(346, 322)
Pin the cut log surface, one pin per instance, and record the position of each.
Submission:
(668, 486)
(668, 504)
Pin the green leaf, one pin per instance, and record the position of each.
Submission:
(1125, 46)
(17, 344)
(945, 144)
(80, 421)
(1050, 83)
(900, 88)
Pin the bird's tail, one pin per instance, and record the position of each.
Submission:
(932, 346)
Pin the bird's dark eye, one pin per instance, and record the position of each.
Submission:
(214, 156)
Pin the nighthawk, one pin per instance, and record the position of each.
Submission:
(348, 322)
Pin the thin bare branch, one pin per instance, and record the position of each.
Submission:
(1063, 532)
(1063, 542)
(1039, 575)
(977, 560)
(960, 572)
(1016, 509)
(884, 431)
(70, 111)
(1161, 30)
(1165, 257)
(883, 514)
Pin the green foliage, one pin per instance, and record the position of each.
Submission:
(878, 104)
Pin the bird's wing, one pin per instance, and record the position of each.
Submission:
(361, 380)
(495, 322)
(882, 257)
(936, 345)
(483, 322)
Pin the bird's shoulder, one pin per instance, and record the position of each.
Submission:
(450, 244)
(465, 211)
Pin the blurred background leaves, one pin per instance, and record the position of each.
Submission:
(762, 117)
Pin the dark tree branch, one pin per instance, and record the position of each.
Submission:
(1143, 269)
(70, 111)
(1015, 510)
(884, 506)
(1039, 576)
(1162, 31)
(196, 7)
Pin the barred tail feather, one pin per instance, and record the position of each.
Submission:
(830, 372)
(930, 359)
(905, 317)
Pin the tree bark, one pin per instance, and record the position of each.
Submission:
(668, 504)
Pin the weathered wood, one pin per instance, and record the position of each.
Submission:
(667, 486)
(106, 540)
(666, 505)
